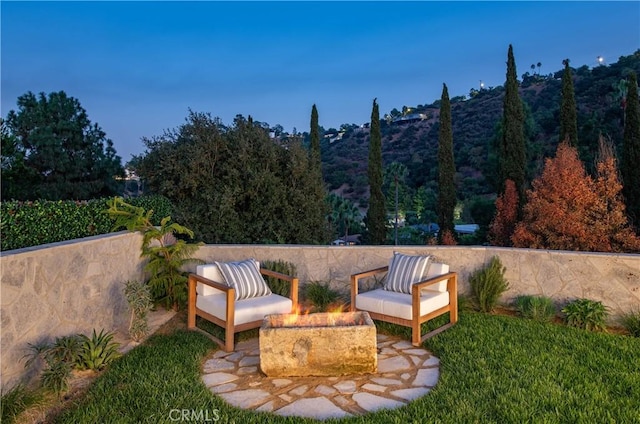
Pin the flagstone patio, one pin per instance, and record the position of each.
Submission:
(404, 373)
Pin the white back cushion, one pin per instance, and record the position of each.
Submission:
(436, 269)
(211, 272)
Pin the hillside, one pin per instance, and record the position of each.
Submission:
(476, 121)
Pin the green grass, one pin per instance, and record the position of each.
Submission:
(494, 369)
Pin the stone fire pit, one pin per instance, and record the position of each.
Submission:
(322, 344)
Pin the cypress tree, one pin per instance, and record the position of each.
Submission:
(376, 215)
(446, 168)
(315, 185)
(512, 155)
(568, 113)
(315, 140)
(630, 168)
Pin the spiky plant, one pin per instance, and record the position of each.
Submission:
(97, 351)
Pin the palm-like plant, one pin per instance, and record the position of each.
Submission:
(167, 255)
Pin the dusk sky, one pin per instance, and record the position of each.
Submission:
(137, 67)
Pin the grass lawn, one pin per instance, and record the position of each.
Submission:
(494, 369)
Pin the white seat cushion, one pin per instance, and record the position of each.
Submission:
(246, 310)
(399, 304)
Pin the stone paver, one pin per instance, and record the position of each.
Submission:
(405, 373)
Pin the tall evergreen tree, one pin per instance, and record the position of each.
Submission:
(446, 168)
(56, 152)
(512, 152)
(568, 112)
(376, 215)
(317, 192)
(315, 139)
(630, 168)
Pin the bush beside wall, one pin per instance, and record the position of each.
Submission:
(26, 224)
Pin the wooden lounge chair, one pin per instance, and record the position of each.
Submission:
(424, 295)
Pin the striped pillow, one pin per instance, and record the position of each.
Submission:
(245, 278)
(405, 270)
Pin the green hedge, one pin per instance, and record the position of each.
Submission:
(25, 224)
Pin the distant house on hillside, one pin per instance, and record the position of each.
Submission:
(408, 119)
(350, 240)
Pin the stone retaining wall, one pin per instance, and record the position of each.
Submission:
(61, 289)
(613, 279)
(76, 286)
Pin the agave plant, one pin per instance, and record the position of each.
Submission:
(97, 351)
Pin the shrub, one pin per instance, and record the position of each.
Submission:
(487, 284)
(98, 351)
(166, 253)
(537, 308)
(69, 352)
(39, 222)
(275, 284)
(140, 302)
(320, 295)
(586, 314)
(15, 401)
(631, 322)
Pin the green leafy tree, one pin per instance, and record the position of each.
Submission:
(56, 151)
(630, 166)
(568, 112)
(234, 184)
(376, 215)
(512, 151)
(446, 168)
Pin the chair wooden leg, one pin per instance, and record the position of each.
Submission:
(415, 333)
(191, 308)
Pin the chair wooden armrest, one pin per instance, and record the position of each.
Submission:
(354, 283)
(195, 278)
(293, 292)
(433, 280)
(230, 292)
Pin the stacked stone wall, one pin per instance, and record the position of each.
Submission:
(62, 289)
(76, 286)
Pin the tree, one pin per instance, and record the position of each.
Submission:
(511, 152)
(505, 218)
(630, 167)
(376, 215)
(609, 216)
(314, 182)
(315, 140)
(568, 112)
(446, 168)
(555, 215)
(569, 210)
(57, 151)
(396, 173)
(235, 184)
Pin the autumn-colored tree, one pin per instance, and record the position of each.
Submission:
(447, 238)
(569, 210)
(609, 216)
(504, 221)
(556, 215)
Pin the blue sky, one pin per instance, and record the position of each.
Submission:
(137, 67)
